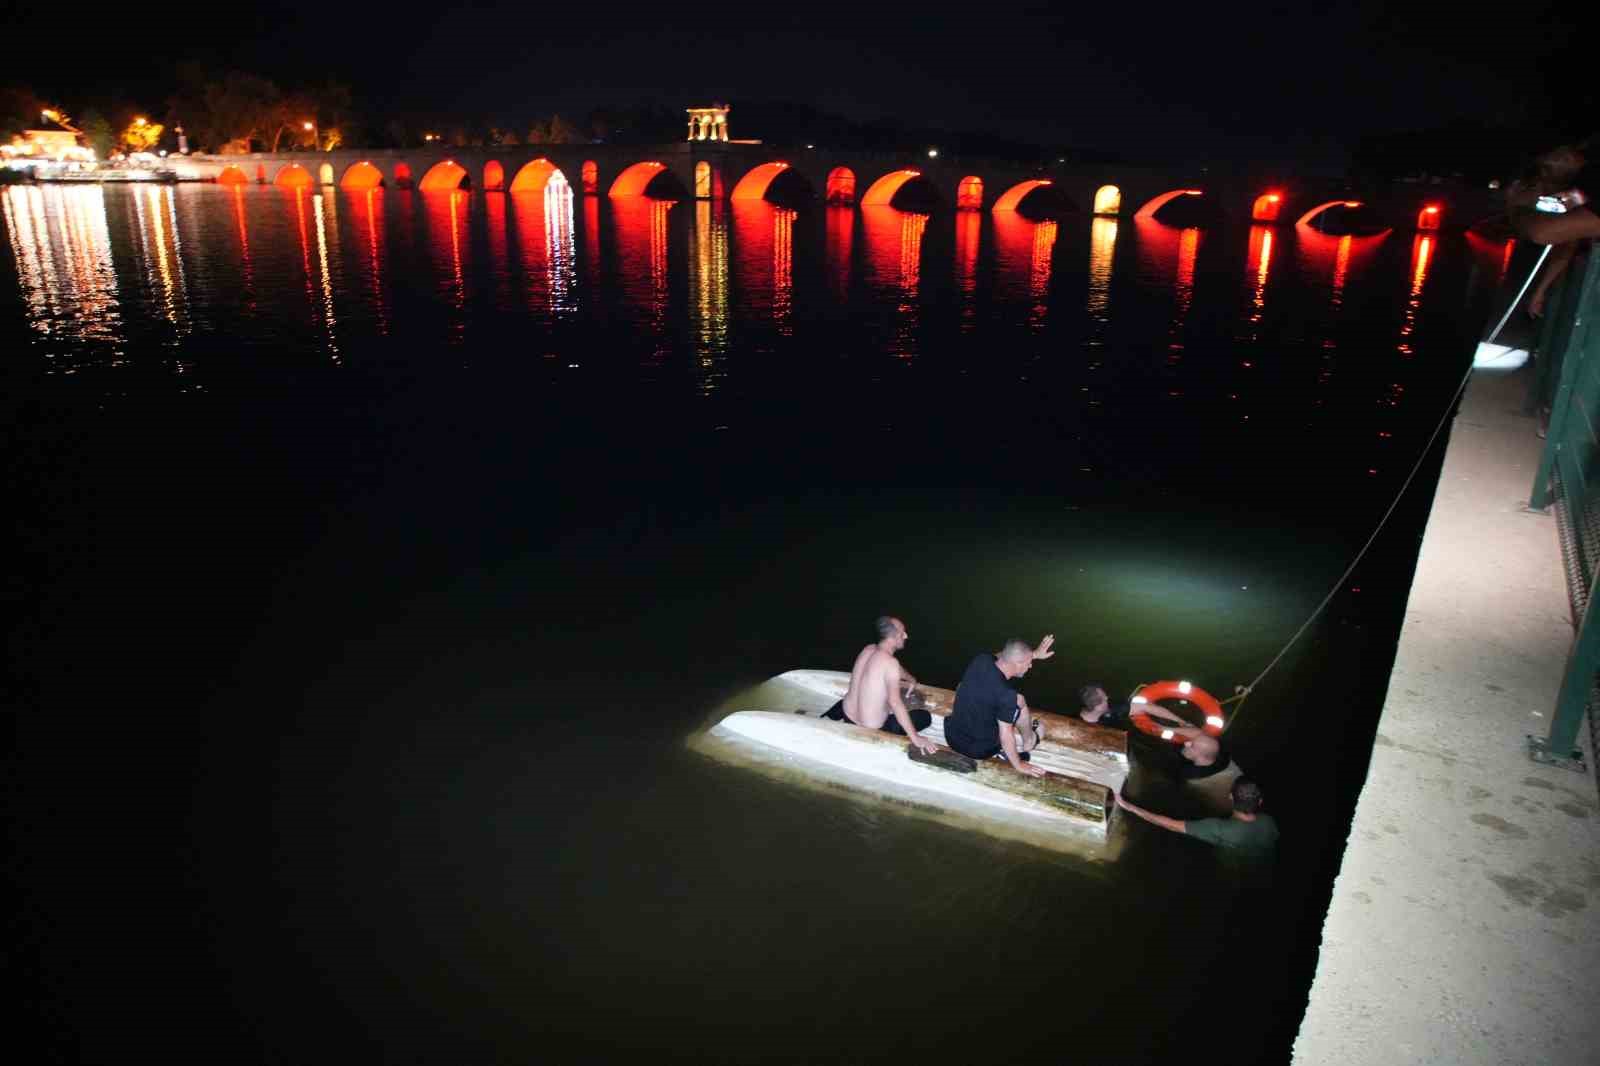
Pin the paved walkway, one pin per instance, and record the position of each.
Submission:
(1465, 922)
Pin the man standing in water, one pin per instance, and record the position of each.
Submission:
(1248, 830)
(873, 700)
(990, 717)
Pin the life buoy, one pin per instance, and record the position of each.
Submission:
(1175, 690)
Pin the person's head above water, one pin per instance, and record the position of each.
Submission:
(891, 632)
(1015, 658)
(1246, 796)
(1093, 703)
(1201, 750)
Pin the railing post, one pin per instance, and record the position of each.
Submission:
(1577, 684)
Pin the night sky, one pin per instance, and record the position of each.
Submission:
(1241, 80)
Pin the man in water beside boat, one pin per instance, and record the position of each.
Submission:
(990, 718)
(1248, 829)
(1097, 709)
(873, 700)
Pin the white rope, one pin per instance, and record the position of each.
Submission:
(1449, 407)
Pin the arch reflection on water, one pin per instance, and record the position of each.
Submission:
(1023, 254)
(547, 246)
(764, 245)
(969, 240)
(893, 259)
(61, 243)
(641, 230)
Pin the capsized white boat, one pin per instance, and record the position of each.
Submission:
(1087, 764)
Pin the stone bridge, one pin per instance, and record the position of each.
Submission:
(747, 170)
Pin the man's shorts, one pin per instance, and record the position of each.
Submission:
(919, 718)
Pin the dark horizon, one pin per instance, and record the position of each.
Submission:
(1259, 84)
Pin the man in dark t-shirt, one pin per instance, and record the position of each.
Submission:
(1248, 831)
(990, 717)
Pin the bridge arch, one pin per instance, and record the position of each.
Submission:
(634, 180)
(640, 178)
(590, 173)
(1148, 211)
(1108, 200)
(325, 174)
(362, 175)
(1266, 207)
(1306, 219)
(536, 175)
(841, 186)
(402, 175)
(1013, 196)
(494, 176)
(292, 176)
(445, 176)
(1429, 217)
(753, 186)
(969, 193)
(882, 191)
(232, 175)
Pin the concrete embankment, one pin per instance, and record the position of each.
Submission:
(1465, 921)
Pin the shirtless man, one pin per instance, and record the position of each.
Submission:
(877, 679)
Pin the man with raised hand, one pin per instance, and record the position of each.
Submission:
(991, 719)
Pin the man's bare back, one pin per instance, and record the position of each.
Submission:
(875, 674)
(876, 679)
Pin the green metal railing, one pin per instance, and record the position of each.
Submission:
(1569, 478)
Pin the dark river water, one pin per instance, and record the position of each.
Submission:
(380, 556)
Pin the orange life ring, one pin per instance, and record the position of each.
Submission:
(1175, 690)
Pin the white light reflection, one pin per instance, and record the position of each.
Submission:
(708, 285)
(68, 283)
(327, 282)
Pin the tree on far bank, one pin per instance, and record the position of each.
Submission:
(140, 135)
(97, 133)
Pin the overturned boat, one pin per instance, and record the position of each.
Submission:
(1087, 764)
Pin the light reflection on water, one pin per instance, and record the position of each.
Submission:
(1148, 540)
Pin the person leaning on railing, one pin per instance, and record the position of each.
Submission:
(1568, 175)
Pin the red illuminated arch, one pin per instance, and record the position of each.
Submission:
(443, 176)
(494, 175)
(293, 176)
(591, 177)
(637, 178)
(1266, 207)
(882, 191)
(1306, 218)
(969, 193)
(1429, 217)
(534, 176)
(1013, 196)
(1107, 200)
(402, 175)
(232, 175)
(1148, 211)
(753, 186)
(362, 175)
(841, 186)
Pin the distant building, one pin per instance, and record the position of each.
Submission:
(54, 140)
(708, 123)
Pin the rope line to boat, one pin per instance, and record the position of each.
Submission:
(1244, 690)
